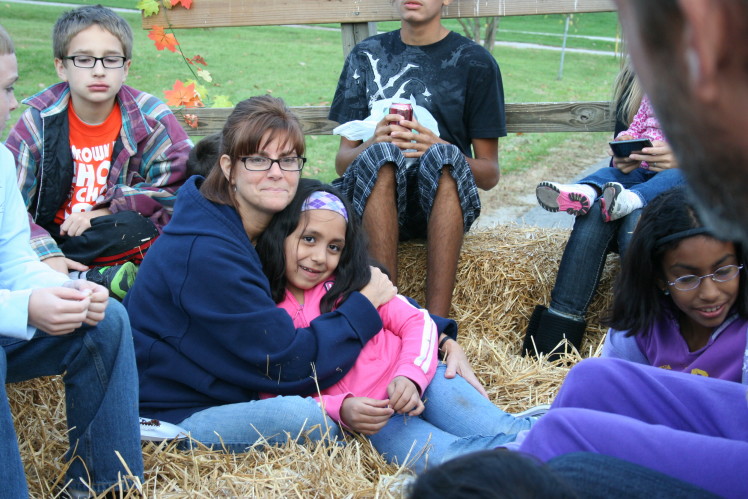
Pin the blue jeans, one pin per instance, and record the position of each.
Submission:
(584, 259)
(645, 183)
(593, 475)
(239, 427)
(457, 420)
(101, 396)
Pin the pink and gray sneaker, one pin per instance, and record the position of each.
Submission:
(563, 197)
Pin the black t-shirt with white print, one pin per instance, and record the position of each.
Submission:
(457, 80)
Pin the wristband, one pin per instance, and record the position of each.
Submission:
(443, 341)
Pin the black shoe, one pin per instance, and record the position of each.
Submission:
(547, 330)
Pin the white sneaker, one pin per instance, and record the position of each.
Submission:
(617, 202)
(534, 412)
(153, 430)
(574, 199)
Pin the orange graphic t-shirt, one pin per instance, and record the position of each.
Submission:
(91, 147)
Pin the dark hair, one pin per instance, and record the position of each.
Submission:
(353, 271)
(493, 474)
(252, 124)
(204, 156)
(637, 298)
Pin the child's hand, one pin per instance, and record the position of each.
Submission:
(99, 297)
(365, 415)
(404, 396)
(58, 311)
(78, 223)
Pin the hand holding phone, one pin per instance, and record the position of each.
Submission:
(624, 148)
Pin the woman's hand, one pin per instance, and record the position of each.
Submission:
(404, 396)
(365, 415)
(457, 363)
(659, 157)
(380, 289)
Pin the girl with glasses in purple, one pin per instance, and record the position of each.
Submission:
(680, 301)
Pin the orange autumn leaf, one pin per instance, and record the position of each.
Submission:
(191, 120)
(198, 59)
(185, 3)
(162, 39)
(180, 95)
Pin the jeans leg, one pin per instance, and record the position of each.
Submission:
(626, 228)
(658, 183)
(14, 477)
(582, 263)
(101, 394)
(612, 174)
(457, 420)
(597, 475)
(418, 444)
(456, 407)
(239, 427)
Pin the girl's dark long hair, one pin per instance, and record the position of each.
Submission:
(638, 299)
(353, 271)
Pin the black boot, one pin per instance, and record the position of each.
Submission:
(547, 330)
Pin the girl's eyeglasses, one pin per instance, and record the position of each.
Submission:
(722, 274)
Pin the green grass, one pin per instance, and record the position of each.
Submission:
(302, 66)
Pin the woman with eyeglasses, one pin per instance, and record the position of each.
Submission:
(680, 300)
(208, 335)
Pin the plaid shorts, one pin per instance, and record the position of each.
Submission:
(416, 184)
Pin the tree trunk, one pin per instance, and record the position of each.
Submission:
(490, 38)
(473, 29)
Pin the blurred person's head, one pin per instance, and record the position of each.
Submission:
(491, 474)
(691, 57)
(8, 77)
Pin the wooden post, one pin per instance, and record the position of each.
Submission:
(353, 33)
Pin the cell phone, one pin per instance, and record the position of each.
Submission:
(624, 148)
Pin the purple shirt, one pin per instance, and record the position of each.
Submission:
(722, 356)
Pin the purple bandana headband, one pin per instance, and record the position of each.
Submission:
(323, 200)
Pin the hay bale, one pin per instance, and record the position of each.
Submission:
(503, 273)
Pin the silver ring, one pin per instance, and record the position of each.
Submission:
(654, 164)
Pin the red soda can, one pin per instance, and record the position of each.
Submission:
(403, 109)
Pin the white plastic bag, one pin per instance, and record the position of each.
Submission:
(364, 129)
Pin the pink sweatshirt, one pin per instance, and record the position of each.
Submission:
(406, 346)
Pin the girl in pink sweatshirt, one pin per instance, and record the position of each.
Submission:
(314, 254)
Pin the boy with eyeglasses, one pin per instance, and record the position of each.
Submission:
(51, 325)
(99, 163)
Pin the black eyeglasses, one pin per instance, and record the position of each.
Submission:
(722, 274)
(88, 61)
(262, 163)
